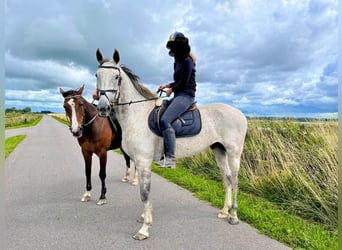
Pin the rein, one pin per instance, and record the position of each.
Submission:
(144, 100)
(132, 102)
(116, 102)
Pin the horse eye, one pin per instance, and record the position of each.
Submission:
(96, 75)
(117, 77)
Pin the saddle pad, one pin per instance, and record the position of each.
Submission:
(188, 124)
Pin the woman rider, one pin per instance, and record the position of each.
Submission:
(183, 87)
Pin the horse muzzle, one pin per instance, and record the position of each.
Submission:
(77, 132)
(104, 111)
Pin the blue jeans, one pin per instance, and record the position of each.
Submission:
(179, 104)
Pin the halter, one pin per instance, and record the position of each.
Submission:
(83, 116)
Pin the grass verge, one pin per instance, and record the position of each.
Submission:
(21, 120)
(62, 120)
(260, 213)
(11, 143)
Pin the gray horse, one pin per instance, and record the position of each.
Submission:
(223, 130)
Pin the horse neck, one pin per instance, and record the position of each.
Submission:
(89, 110)
(128, 114)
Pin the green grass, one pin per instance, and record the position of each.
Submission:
(268, 218)
(12, 142)
(290, 164)
(62, 120)
(19, 120)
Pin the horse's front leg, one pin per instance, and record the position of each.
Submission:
(102, 175)
(144, 168)
(87, 156)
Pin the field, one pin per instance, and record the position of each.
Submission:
(18, 119)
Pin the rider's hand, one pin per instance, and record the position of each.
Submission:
(94, 94)
(163, 86)
(169, 92)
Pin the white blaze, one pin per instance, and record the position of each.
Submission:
(74, 123)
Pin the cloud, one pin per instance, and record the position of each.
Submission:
(265, 57)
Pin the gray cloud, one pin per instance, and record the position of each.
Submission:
(265, 57)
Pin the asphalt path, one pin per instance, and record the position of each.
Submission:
(44, 184)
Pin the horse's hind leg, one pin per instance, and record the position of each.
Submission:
(128, 170)
(222, 162)
(229, 163)
(135, 178)
(234, 163)
(87, 160)
(128, 167)
(102, 175)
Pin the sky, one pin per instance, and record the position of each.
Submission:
(266, 58)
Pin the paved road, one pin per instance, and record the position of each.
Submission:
(45, 181)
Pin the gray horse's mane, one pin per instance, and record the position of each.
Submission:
(144, 91)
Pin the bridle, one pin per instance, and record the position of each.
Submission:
(84, 123)
(116, 92)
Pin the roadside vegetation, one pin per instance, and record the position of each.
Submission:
(15, 118)
(19, 119)
(287, 183)
(61, 118)
(11, 143)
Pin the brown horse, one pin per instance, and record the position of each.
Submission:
(94, 135)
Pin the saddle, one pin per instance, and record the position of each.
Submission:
(187, 124)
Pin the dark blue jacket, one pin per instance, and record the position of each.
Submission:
(184, 77)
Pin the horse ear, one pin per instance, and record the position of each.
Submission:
(61, 91)
(99, 56)
(80, 90)
(116, 56)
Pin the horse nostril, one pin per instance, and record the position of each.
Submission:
(77, 133)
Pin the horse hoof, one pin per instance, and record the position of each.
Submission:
(124, 180)
(222, 215)
(140, 236)
(140, 219)
(233, 221)
(101, 202)
(135, 183)
(86, 198)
